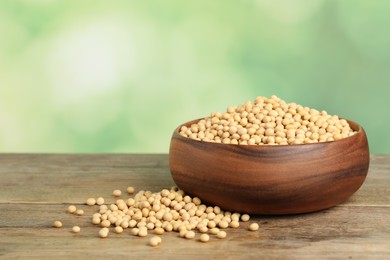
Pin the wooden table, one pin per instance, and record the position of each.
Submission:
(35, 190)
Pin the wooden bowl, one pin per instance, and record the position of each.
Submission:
(270, 179)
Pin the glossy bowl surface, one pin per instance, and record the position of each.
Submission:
(270, 179)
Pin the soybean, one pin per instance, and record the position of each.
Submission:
(75, 229)
(57, 224)
(155, 241)
(130, 190)
(221, 234)
(253, 227)
(204, 238)
(91, 201)
(103, 233)
(72, 209)
(117, 193)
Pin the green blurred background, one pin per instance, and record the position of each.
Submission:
(118, 76)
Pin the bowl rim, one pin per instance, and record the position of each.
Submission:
(355, 126)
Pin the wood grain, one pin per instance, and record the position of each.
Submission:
(80, 177)
(36, 189)
(280, 179)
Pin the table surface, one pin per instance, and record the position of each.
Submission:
(35, 190)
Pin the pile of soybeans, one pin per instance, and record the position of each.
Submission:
(268, 121)
(159, 212)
